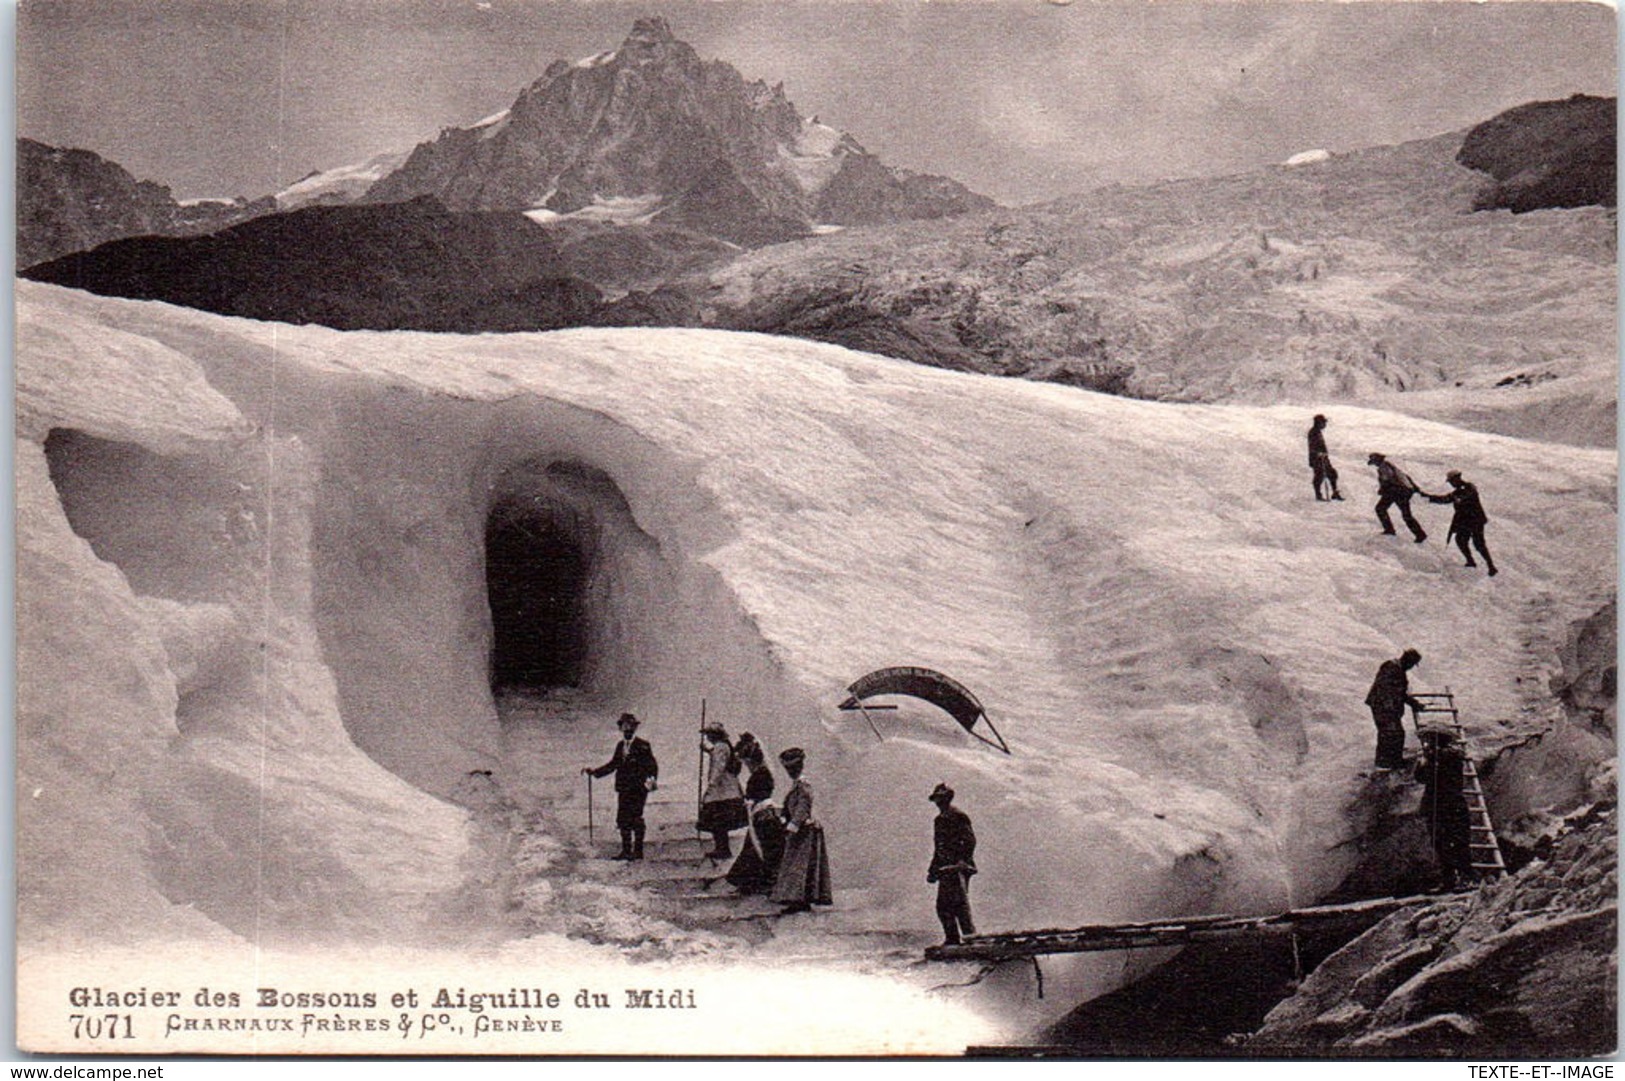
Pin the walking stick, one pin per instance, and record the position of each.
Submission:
(699, 779)
(589, 808)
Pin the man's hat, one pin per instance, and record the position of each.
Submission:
(941, 792)
(1454, 474)
(1373, 458)
(627, 719)
(1320, 418)
(1411, 655)
(793, 756)
(712, 728)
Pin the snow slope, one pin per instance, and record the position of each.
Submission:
(253, 637)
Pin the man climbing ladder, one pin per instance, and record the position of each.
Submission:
(1452, 799)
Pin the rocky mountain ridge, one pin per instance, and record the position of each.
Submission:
(71, 200)
(1366, 276)
(652, 120)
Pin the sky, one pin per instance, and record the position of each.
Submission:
(1023, 100)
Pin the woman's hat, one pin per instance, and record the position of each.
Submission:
(793, 757)
(1373, 458)
(941, 792)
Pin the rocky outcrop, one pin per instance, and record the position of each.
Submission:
(1534, 782)
(1546, 154)
(1587, 683)
(652, 121)
(1524, 966)
(401, 266)
(73, 200)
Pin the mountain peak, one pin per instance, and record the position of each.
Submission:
(651, 120)
(650, 30)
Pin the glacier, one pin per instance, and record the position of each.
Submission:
(254, 642)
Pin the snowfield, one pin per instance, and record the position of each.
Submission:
(253, 648)
(344, 182)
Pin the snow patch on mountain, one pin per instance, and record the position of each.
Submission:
(341, 184)
(815, 155)
(492, 125)
(612, 210)
(1308, 157)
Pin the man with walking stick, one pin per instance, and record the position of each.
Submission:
(953, 861)
(636, 775)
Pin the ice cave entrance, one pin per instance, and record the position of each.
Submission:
(536, 569)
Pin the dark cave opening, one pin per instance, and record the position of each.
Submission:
(535, 578)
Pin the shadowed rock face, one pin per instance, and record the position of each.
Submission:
(1588, 683)
(1546, 154)
(728, 158)
(70, 200)
(73, 200)
(1524, 966)
(399, 266)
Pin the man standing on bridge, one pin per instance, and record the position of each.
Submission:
(953, 861)
(636, 775)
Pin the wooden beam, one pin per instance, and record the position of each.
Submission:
(1170, 932)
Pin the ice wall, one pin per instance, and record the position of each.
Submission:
(1174, 638)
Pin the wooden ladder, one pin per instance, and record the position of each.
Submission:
(1485, 849)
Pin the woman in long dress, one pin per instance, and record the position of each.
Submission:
(722, 805)
(753, 872)
(803, 878)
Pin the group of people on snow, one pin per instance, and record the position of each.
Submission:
(1395, 488)
(783, 853)
(1442, 766)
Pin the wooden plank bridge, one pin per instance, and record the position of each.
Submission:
(1487, 863)
(1016, 945)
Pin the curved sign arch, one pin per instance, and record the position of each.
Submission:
(929, 685)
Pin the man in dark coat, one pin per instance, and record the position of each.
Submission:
(1320, 460)
(1388, 697)
(1444, 806)
(636, 775)
(1394, 489)
(953, 861)
(1467, 524)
